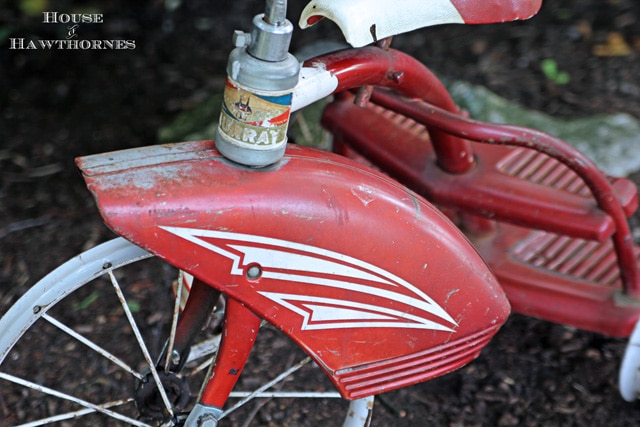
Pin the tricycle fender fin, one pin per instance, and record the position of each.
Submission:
(372, 281)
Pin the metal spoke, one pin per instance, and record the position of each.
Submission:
(174, 321)
(288, 394)
(201, 367)
(206, 348)
(266, 386)
(55, 393)
(74, 414)
(141, 344)
(95, 347)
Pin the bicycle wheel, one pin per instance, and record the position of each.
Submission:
(76, 347)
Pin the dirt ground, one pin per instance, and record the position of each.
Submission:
(58, 104)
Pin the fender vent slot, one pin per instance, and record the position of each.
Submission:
(400, 372)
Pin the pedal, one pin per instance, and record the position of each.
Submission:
(499, 186)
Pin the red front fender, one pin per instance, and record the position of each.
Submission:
(370, 279)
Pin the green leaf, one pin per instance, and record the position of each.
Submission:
(86, 303)
(562, 78)
(551, 71)
(134, 306)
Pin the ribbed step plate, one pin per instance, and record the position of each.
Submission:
(561, 279)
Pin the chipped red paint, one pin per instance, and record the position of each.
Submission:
(378, 286)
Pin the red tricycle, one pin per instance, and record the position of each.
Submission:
(390, 261)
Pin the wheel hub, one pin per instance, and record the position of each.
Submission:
(149, 401)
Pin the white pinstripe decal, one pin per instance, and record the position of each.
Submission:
(381, 299)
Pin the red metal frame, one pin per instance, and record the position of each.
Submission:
(240, 332)
(404, 136)
(372, 66)
(198, 308)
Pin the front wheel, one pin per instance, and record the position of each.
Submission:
(81, 348)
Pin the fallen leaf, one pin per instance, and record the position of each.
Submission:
(615, 46)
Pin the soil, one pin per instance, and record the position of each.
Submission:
(58, 104)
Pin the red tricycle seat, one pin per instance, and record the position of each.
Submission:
(491, 11)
